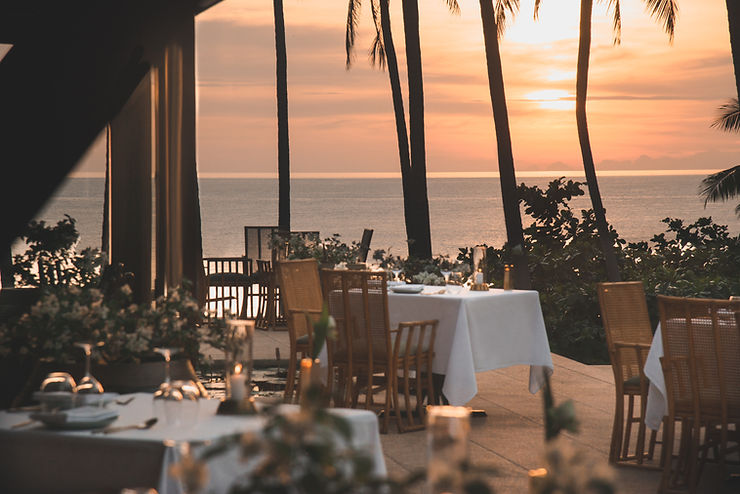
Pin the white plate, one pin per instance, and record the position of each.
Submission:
(77, 418)
(63, 399)
(407, 288)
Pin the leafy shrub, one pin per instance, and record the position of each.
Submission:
(700, 259)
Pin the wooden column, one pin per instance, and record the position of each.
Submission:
(179, 248)
(130, 188)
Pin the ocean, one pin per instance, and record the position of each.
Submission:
(463, 211)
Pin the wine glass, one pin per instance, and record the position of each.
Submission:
(88, 384)
(190, 404)
(57, 392)
(167, 398)
(446, 275)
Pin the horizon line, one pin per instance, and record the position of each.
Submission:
(459, 174)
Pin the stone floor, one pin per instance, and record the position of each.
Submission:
(511, 436)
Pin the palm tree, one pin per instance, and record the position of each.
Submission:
(413, 157)
(724, 185)
(383, 53)
(282, 117)
(665, 11)
(494, 23)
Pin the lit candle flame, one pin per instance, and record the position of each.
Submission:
(238, 369)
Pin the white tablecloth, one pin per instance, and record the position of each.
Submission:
(208, 427)
(657, 407)
(480, 331)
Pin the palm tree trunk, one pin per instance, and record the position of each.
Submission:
(733, 19)
(282, 117)
(509, 195)
(400, 114)
(420, 245)
(584, 51)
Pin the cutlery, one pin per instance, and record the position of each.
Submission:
(126, 401)
(434, 293)
(23, 424)
(148, 424)
(31, 408)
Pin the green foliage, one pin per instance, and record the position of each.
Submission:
(700, 259)
(50, 258)
(81, 301)
(330, 251)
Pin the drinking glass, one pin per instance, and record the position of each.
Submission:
(58, 390)
(167, 398)
(396, 274)
(448, 429)
(88, 384)
(190, 404)
(446, 275)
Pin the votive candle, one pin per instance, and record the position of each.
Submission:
(238, 383)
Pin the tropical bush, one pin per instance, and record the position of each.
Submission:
(700, 259)
(80, 300)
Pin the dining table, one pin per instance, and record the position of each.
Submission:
(657, 405)
(34, 458)
(478, 331)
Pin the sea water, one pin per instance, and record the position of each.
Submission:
(463, 211)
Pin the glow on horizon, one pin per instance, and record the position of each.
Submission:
(650, 103)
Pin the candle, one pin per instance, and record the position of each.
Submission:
(304, 379)
(238, 383)
(479, 278)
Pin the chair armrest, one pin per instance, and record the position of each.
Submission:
(623, 344)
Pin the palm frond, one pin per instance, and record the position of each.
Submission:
(613, 6)
(729, 118)
(502, 18)
(665, 12)
(537, 9)
(453, 6)
(721, 186)
(353, 18)
(377, 49)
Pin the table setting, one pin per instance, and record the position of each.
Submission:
(479, 330)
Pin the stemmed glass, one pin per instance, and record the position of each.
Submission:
(168, 397)
(446, 275)
(88, 384)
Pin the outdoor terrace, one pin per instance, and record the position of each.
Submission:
(511, 437)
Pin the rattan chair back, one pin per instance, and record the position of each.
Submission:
(628, 332)
(300, 292)
(624, 314)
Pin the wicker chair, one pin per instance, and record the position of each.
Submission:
(301, 295)
(370, 357)
(628, 331)
(701, 364)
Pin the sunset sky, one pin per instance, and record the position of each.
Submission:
(650, 103)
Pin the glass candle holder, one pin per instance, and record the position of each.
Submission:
(448, 429)
(239, 359)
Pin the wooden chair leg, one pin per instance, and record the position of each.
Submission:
(290, 379)
(628, 428)
(651, 447)
(667, 455)
(617, 427)
(640, 446)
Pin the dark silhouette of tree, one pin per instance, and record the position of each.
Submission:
(724, 185)
(665, 11)
(494, 22)
(412, 158)
(282, 118)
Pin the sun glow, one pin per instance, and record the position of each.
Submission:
(552, 99)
